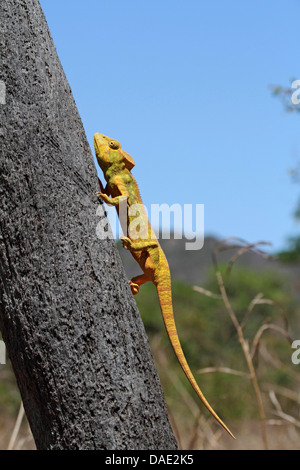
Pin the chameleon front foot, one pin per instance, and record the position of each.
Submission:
(126, 242)
(104, 197)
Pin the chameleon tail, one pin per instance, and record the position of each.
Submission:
(165, 300)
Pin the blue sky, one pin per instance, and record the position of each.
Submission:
(184, 86)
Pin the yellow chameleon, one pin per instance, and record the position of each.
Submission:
(121, 187)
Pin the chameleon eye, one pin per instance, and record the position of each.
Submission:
(114, 144)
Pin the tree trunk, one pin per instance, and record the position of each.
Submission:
(71, 327)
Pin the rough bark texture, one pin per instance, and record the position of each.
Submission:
(70, 324)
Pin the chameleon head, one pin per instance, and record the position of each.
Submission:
(109, 152)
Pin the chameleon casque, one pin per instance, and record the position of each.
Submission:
(116, 165)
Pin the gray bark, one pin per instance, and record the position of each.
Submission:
(71, 326)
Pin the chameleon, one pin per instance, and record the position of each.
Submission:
(122, 188)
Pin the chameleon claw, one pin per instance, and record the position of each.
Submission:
(125, 242)
(134, 287)
(104, 197)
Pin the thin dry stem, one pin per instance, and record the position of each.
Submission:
(241, 250)
(252, 304)
(16, 428)
(258, 300)
(175, 428)
(285, 392)
(275, 401)
(206, 292)
(276, 362)
(194, 435)
(286, 417)
(267, 326)
(276, 422)
(245, 348)
(226, 370)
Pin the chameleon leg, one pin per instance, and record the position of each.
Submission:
(112, 201)
(102, 189)
(137, 245)
(136, 282)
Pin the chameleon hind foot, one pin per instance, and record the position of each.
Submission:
(138, 245)
(137, 281)
(134, 287)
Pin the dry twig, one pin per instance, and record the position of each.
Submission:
(245, 348)
(16, 428)
(226, 370)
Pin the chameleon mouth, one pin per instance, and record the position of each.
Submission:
(99, 140)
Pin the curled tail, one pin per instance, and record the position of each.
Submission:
(165, 300)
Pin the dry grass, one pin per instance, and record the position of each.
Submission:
(249, 353)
